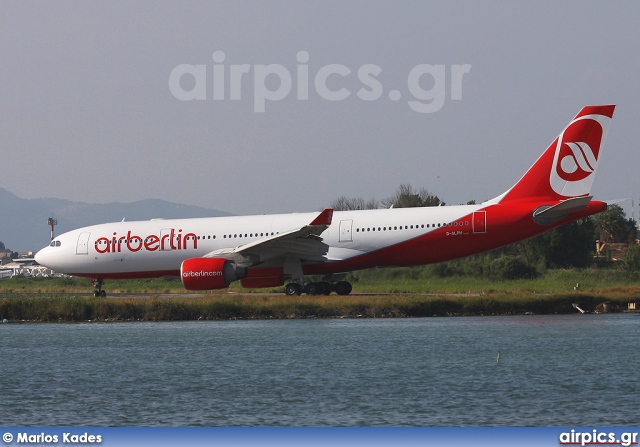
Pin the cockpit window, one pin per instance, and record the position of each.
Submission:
(54, 244)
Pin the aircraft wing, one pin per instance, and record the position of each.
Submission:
(304, 243)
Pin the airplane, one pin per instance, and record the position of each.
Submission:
(269, 250)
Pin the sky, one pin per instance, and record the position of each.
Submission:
(256, 107)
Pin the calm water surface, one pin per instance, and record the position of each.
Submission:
(554, 370)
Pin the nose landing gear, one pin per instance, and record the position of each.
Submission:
(97, 284)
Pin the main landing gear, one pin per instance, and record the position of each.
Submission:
(318, 288)
(97, 284)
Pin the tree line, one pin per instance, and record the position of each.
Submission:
(3, 249)
(571, 245)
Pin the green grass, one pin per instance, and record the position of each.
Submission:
(83, 285)
(390, 280)
(377, 293)
(417, 280)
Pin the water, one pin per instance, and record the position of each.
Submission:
(553, 370)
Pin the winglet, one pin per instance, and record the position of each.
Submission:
(324, 218)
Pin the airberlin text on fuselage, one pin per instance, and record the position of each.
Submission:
(153, 242)
(201, 273)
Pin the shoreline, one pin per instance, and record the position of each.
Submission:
(68, 308)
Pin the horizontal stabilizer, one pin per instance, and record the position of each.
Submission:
(547, 215)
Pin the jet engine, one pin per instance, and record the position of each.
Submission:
(208, 273)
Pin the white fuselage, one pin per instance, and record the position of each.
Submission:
(159, 246)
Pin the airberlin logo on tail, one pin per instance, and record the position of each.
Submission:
(576, 155)
(579, 164)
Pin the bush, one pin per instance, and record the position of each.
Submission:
(511, 267)
(632, 260)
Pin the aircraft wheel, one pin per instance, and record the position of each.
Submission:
(293, 289)
(313, 288)
(327, 288)
(343, 288)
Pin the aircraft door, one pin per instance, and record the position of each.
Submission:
(345, 230)
(480, 222)
(83, 244)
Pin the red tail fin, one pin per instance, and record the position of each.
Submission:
(567, 168)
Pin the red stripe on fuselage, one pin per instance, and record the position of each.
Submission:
(505, 224)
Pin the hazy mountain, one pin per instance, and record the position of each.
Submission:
(23, 222)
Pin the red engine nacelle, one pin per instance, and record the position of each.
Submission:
(207, 273)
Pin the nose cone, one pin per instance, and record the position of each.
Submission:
(39, 257)
(42, 258)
